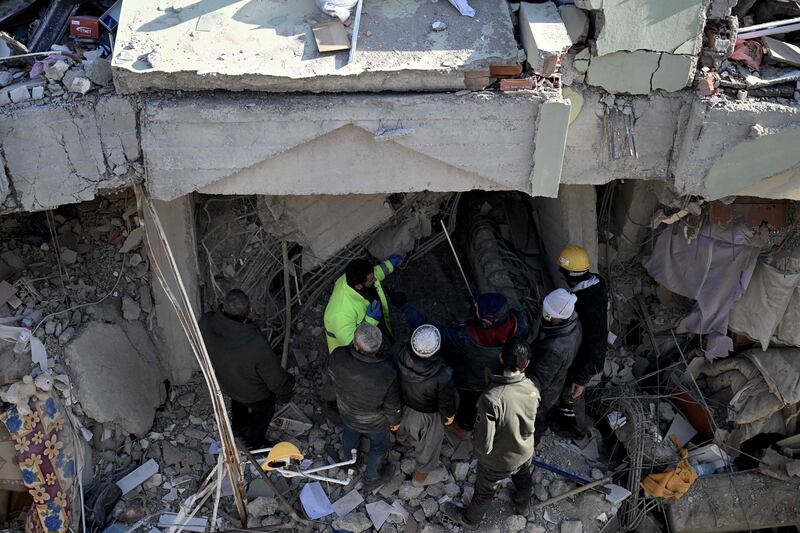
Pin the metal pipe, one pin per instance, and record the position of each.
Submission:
(453, 249)
(573, 492)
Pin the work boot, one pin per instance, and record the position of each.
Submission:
(458, 431)
(455, 514)
(522, 508)
(418, 479)
(385, 476)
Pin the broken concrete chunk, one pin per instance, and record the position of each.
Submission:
(55, 71)
(19, 94)
(113, 379)
(4, 98)
(515, 523)
(354, 522)
(544, 36)
(576, 22)
(781, 52)
(6, 78)
(132, 241)
(438, 25)
(569, 526)
(80, 85)
(589, 4)
(262, 506)
(98, 71)
(37, 93)
(69, 256)
(130, 308)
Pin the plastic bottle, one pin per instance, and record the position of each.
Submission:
(65, 336)
(31, 318)
(22, 341)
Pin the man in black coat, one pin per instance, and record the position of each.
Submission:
(592, 309)
(368, 397)
(429, 397)
(246, 367)
(554, 351)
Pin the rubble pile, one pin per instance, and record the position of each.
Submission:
(755, 52)
(40, 60)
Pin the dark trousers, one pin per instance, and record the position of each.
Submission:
(378, 448)
(571, 417)
(250, 421)
(467, 408)
(486, 486)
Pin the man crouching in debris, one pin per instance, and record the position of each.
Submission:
(592, 309)
(429, 397)
(553, 352)
(246, 367)
(368, 397)
(503, 439)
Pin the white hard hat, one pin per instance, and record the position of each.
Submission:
(426, 340)
(559, 304)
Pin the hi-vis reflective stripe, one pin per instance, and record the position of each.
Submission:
(385, 269)
(330, 334)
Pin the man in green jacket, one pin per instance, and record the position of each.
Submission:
(357, 297)
(503, 438)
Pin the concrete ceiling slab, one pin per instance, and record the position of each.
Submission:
(268, 45)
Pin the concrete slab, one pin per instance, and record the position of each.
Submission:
(551, 140)
(735, 502)
(267, 45)
(641, 71)
(674, 26)
(259, 144)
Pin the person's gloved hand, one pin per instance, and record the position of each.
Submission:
(395, 259)
(374, 310)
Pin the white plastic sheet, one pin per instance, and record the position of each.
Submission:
(340, 9)
(463, 7)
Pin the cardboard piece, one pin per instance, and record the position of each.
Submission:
(331, 36)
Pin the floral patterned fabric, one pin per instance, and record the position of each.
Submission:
(46, 454)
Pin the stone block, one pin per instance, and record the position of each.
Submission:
(37, 93)
(115, 380)
(80, 85)
(576, 21)
(6, 78)
(544, 36)
(56, 70)
(98, 71)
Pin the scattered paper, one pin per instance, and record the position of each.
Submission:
(330, 37)
(347, 503)
(708, 454)
(612, 338)
(682, 429)
(616, 493)
(602, 517)
(197, 525)
(463, 7)
(616, 419)
(138, 476)
(315, 502)
(378, 512)
(546, 516)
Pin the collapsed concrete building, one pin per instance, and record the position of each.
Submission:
(608, 124)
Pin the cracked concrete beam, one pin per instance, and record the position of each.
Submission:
(544, 36)
(4, 186)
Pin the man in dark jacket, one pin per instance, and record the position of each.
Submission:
(553, 352)
(503, 440)
(473, 351)
(368, 397)
(246, 367)
(429, 397)
(592, 309)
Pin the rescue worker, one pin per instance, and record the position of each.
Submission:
(554, 351)
(429, 397)
(592, 309)
(368, 397)
(247, 369)
(503, 440)
(358, 296)
(472, 350)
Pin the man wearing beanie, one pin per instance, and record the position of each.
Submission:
(429, 397)
(554, 351)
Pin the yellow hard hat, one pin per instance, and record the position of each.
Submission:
(281, 455)
(574, 258)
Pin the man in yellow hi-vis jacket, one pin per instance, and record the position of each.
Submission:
(357, 297)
